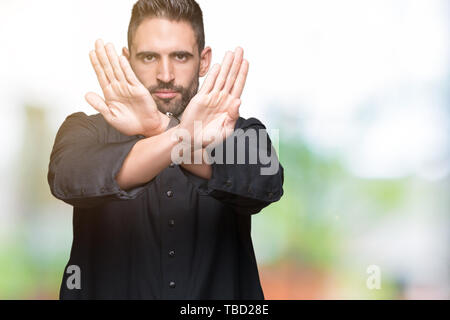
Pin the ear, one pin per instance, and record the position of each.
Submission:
(205, 61)
(126, 53)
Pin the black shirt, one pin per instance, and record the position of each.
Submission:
(177, 237)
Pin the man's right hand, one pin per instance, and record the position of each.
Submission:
(128, 106)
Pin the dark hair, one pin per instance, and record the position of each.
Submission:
(178, 10)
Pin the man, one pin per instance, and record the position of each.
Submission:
(145, 227)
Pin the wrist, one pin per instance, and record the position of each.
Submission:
(162, 127)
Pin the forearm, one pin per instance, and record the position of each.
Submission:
(146, 160)
(202, 169)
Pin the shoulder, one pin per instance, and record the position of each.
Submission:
(96, 125)
(243, 123)
(81, 117)
(79, 123)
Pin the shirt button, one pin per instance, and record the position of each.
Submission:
(270, 194)
(172, 284)
(171, 253)
(171, 223)
(169, 193)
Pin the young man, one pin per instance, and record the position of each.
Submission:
(144, 227)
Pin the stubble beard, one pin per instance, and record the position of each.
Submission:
(178, 105)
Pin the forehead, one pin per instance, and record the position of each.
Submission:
(164, 36)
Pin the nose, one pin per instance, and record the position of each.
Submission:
(165, 71)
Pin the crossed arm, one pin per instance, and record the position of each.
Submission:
(128, 107)
(85, 172)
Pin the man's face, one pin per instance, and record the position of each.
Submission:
(165, 58)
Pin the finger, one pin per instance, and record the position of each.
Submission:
(129, 73)
(104, 61)
(114, 61)
(226, 65)
(98, 104)
(210, 80)
(234, 109)
(239, 84)
(238, 57)
(101, 76)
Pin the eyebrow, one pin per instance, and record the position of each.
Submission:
(143, 54)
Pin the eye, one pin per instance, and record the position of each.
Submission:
(149, 58)
(181, 57)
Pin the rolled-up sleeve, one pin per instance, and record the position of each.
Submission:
(247, 186)
(82, 170)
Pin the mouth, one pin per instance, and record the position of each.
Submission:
(166, 94)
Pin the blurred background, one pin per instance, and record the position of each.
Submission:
(359, 91)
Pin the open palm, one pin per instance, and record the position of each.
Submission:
(217, 103)
(127, 105)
